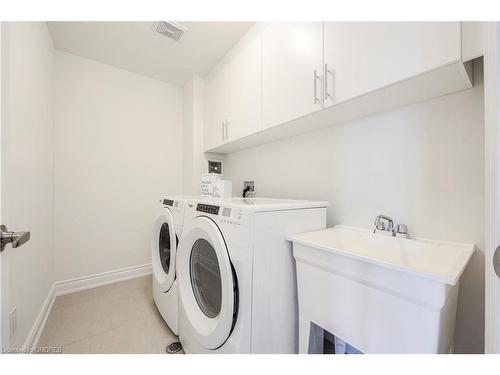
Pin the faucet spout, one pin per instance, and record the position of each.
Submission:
(383, 223)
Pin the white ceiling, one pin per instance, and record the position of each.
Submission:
(136, 47)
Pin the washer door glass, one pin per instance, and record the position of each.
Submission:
(206, 278)
(164, 247)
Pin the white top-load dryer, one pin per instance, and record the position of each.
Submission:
(167, 229)
(236, 274)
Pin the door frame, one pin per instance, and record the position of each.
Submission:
(4, 259)
(491, 46)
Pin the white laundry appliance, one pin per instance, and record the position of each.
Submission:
(236, 274)
(167, 230)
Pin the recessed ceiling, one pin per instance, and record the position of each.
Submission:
(137, 47)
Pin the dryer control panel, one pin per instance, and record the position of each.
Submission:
(172, 204)
(208, 208)
(168, 202)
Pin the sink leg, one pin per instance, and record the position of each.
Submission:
(311, 337)
(304, 327)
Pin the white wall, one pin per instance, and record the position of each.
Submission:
(187, 137)
(194, 161)
(27, 168)
(423, 165)
(118, 150)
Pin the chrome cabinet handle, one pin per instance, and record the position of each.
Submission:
(496, 261)
(316, 77)
(222, 128)
(15, 238)
(327, 94)
(227, 130)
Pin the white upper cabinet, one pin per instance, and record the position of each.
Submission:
(361, 57)
(244, 89)
(283, 79)
(215, 105)
(291, 73)
(233, 93)
(472, 40)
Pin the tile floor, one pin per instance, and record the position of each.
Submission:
(116, 318)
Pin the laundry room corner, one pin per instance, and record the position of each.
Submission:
(105, 195)
(195, 159)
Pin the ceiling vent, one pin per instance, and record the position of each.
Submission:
(170, 29)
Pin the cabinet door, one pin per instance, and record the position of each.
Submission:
(215, 104)
(363, 56)
(292, 52)
(243, 74)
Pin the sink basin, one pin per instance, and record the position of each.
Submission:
(380, 294)
(438, 260)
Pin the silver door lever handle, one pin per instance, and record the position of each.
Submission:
(496, 261)
(15, 238)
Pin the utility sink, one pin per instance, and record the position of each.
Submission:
(379, 294)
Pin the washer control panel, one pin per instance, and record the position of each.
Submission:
(231, 215)
(208, 208)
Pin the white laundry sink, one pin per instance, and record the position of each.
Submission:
(378, 293)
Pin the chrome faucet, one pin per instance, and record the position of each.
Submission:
(384, 223)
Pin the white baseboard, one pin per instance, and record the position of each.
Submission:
(93, 281)
(75, 285)
(41, 319)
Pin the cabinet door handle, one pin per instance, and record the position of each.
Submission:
(227, 130)
(316, 77)
(327, 94)
(223, 130)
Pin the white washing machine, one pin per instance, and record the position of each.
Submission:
(236, 274)
(167, 230)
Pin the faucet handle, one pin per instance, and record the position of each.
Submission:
(402, 231)
(402, 228)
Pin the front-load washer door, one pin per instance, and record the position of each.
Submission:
(164, 249)
(206, 283)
